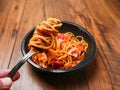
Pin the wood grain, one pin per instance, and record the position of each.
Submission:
(101, 18)
(10, 16)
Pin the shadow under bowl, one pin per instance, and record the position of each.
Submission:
(77, 30)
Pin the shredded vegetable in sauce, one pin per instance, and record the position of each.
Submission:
(56, 50)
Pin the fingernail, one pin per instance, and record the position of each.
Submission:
(6, 82)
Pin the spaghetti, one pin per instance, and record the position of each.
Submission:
(56, 50)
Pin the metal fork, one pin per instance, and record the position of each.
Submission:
(20, 63)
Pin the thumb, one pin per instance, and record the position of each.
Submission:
(5, 83)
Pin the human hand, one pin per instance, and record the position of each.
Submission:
(6, 82)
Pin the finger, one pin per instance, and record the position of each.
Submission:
(3, 73)
(5, 83)
(16, 77)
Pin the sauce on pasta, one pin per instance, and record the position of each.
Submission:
(56, 50)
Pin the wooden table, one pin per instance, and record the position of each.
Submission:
(100, 17)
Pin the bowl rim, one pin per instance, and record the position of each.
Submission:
(81, 65)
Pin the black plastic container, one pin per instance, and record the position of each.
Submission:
(76, 30)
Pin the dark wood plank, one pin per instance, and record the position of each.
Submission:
(105, 28)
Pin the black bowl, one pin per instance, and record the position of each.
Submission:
(76, 30)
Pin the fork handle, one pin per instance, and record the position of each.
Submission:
(15, 69)
(19, 64)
